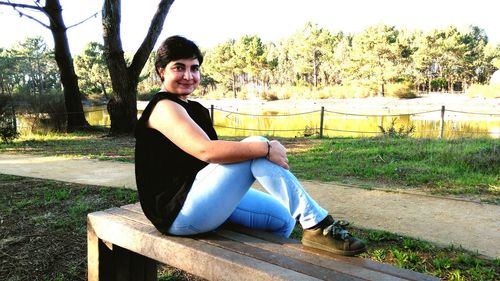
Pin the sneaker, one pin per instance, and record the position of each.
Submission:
(334, 238)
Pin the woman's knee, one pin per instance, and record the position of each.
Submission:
(287, 228)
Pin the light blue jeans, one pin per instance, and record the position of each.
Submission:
(222, 193)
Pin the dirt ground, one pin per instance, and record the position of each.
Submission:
(472, 225)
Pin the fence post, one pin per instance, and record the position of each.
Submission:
(321, 122)
(441, 123)
(212, 113)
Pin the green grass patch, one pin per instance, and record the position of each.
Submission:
(464, 166)
(43, 226)
(458, 166)
(447, 263)
(94, 145)
(46, 239)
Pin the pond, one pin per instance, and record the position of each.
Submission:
(338, 124)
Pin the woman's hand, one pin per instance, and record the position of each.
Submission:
(277, 154)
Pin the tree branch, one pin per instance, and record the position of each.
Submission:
(15, 6)
(151, 37)
(78, 23)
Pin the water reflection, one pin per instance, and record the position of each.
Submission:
(287, 124)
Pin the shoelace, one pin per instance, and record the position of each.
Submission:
(337, 229)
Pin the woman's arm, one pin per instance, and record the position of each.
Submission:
(173, 121)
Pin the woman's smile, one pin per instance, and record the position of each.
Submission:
(181, 76)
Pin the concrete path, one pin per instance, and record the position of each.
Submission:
(445, 221)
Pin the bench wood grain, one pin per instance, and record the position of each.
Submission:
(124, 245)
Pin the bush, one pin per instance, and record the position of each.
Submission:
(219, 93)
(43, 113)
(484, 91)
(393, 132)
(439, 84)
(8, 131)
(268, 96)
(400, 90)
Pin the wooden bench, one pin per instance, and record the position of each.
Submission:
(124, 245)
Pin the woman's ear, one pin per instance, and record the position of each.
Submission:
(160, 71)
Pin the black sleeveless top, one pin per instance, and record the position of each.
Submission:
(164, 173)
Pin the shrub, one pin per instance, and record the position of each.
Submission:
(43, 113)
(400, 90)
(219, 93)
(146, 96)
(269, 96)
(243, 94)
(484, 91)
(439, 84)
(8, 131)
(393, 132)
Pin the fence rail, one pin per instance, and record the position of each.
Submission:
(321, 129)
(322, 119)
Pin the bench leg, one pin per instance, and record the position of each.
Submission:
(113, 263)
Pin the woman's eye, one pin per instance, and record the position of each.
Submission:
(195, 68)
(179, 68)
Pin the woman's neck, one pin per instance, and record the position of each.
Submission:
(182, 97)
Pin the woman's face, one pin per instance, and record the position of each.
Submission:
(181, 77)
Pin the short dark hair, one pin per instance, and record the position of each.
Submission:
(174, 48)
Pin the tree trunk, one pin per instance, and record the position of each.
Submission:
(72, 96)
(315, 68)
(234, 85)
(122, 107)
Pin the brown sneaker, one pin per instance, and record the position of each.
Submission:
(335, 239)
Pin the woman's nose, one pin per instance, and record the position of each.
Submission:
(187, 74)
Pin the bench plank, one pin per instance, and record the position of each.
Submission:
(318, 256)
(364, 268)
(229, 253)
(190, 255)
(309, 269)
(310, 261)
(288, 257)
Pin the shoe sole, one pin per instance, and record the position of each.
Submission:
(334, 251)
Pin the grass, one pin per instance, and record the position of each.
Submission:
(43, 227)
(422, 256)
(447, 263)
(465, 167)
(43, 236)
(456, 167)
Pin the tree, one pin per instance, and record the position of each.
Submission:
(93, 72)
(36, 71)
(491, 63)
(429, 55)
(9, 76)
(475, 41)
(122, 106)
(251, 58)
(72, 96)
(285, 74)
(220, 63)
(308, 48)
(375, 51)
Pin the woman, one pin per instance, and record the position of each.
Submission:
(190, 182)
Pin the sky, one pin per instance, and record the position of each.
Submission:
(209, 23)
